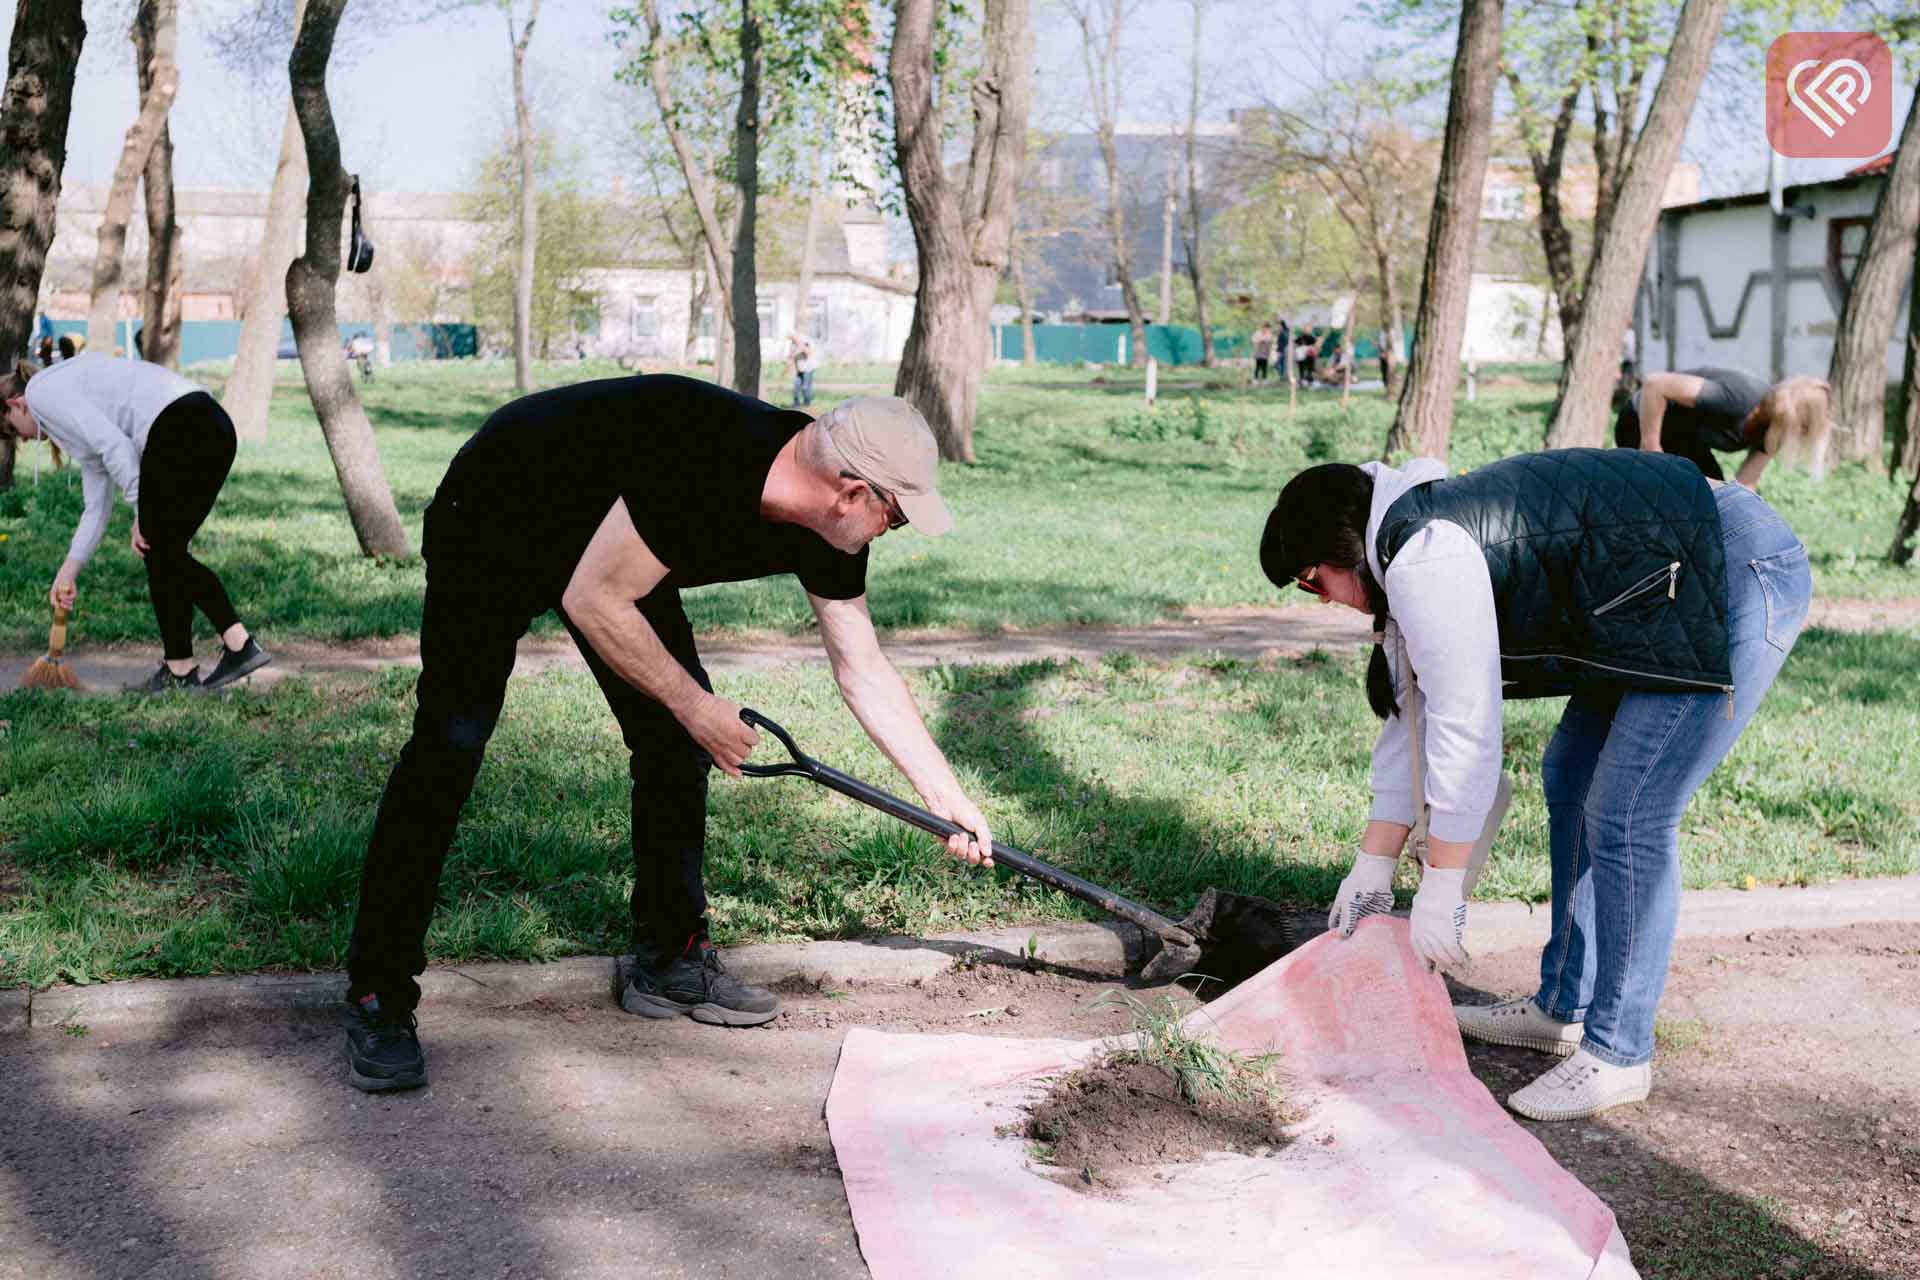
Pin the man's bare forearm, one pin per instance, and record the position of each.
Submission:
(623, 638)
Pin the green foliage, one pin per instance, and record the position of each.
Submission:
(1199, 1068)
(577, 231)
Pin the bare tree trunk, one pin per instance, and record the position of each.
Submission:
(1117, 246)
(1903, 534)
(1858, 372)
(312, 281)
(699, 188)
(1423, 423)
(1388, 288)
(723, 318)
(1100, 55)
(103, 310)
(41, 60)
(964, 236)
(1168, 213)
(803, 287)
(249, 391)
(696, 305)
(1592, 364)
(746, 167)
(1194, 212)
(1906, 419)
(529, 205)
(1556, 239)
(160, 305)
(1029, 351)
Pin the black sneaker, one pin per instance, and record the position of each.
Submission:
(383, 1049)
(697, 984)
(164, 681)
(235, 663)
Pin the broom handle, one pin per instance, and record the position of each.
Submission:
(57, 637)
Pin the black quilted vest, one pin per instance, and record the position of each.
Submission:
(1607, 567)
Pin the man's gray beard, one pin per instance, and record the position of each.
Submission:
(847, 534)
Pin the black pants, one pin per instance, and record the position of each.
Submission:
(189, 453)
(1259, 368)
(1681, 443)
(467, 640)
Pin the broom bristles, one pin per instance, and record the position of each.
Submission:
(49, 673)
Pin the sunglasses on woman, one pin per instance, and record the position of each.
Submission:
(1308, 580)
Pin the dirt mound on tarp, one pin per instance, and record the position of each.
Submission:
(1099, 1123)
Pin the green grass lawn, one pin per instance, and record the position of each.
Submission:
(195, 836)
(1084, 507)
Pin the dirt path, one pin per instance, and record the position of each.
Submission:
(569, 1139)
(1241, 633)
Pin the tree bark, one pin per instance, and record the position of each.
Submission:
(312, 281)
(746, 167)
(1029, 351)
(699, 188)
(1906, 445)
(1191, 237)
(249, 391)
(1903, 534)
(160, 304)
(1858, 372)
(1391, 319)
(41, 60)
(529, 205)
(963, 235)
(103, 310)
(723, 317)
(1592, 364)
(1168, 212)
(696, 304)
(1424, 421)
(1556, 239)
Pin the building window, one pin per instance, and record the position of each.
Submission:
(646, 317)
(765, 311)
(1846, 240)
(817, 319)
(1504, 204)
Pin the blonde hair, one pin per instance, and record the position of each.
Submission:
(1799, 421)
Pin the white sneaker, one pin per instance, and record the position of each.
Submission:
(1582, 1086)
(1518, 1022)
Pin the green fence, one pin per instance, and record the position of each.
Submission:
(1169, 344)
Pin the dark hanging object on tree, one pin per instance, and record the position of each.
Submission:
(359, 249)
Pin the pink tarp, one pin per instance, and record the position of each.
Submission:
(1404, 1165)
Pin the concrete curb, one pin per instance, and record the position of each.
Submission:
(1105, 948)
(155, 1002)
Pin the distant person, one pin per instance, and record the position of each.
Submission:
(46, 351)
(1306, 352)
(359, 349)
(167, 445)
(1695, 412)
(1629, 354)
(69, 347)
(1262, 351)
(801, 356)
(1283, 349)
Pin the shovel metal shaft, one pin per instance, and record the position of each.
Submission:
(1025, 863)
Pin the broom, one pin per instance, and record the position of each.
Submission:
(52, 671)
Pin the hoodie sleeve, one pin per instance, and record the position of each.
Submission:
(1442, 601)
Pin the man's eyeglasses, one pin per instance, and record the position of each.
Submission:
(1308, 580)
(896, 518)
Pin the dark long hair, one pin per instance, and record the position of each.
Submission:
(1321, 518)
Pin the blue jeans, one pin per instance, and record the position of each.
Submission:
(1618, 774)
(803, 387)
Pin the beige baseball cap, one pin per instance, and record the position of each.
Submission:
(889, 445)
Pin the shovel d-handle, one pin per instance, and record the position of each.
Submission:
(803, 765)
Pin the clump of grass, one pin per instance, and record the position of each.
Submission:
(1201, 1070)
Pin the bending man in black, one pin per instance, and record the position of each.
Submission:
(605, 500)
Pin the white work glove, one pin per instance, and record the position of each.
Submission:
(1367, 891)
(1440, 916)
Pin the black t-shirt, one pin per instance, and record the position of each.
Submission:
(1713, 421)
(526, 494)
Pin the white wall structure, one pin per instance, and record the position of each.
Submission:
(1731, 284)
(1510, 320)
(645, 312)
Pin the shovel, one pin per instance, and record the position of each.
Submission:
(1227, 936)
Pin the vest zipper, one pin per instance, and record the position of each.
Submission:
(1627, 671)
(1671, 573)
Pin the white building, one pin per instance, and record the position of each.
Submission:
(1731, 283)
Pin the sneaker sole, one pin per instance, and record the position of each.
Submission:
(1577, 1113)
(246, 669)
(639, 1002)
(1558, 1048)
(383, 1084)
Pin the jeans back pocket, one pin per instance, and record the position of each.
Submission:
(1786, 584)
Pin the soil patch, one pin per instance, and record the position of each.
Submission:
(1099, 1123)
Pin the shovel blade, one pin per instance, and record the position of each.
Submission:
(1238, 935)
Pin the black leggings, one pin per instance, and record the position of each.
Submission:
(189, 453)
(467, 640)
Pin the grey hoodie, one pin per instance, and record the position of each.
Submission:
(1440, 602)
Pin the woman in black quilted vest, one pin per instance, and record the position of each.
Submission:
(1663, 603)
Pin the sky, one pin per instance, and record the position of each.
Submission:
(419, 105)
